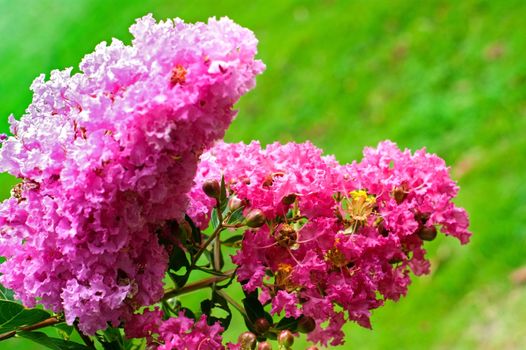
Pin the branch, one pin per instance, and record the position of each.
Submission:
(47, 322)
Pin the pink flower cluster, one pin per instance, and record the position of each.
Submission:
(106, 156)
(174, 333)
(336, 236)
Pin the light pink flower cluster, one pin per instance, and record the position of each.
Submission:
(174, 333)
(106, 156)
(336, 237)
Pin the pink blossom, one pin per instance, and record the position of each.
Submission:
(107, 156)
(174, 333)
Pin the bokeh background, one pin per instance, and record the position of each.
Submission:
(446, 75)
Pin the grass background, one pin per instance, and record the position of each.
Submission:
(447, 75)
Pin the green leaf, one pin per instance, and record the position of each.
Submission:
(6, 294)
(14, 315)
(64, 330)
(52, 343)
(236, 216)
(214, 220)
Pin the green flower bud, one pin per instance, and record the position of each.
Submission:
(255, 218)
(234, 203)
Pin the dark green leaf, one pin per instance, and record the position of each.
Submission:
(179, 280)
(223, 200)
(209, 257)
(211, 271)
(289, 323)
(227, 284)
(214, 309)
(178, 259)
(14, 315)
(111, 339)
(253, 307)
(52, 343)
(196, 232)
(188, 313)
(233, 241)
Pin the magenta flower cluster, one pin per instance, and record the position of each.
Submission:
(174, 333)
(339, 240)
(107, 156)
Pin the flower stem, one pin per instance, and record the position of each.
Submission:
(207, 243)
(234, 303)
(207, 282)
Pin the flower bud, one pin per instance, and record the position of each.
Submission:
(382, 230)
(264, 346)
(427, 233)
(421, 218)
(289, 199)
(312, 347)
(285, 338)
(255, 218)
(395, 260)
(247, 341)
(261, 325)
(400, 193)
(306, 324)
(212, 188)
(234, 203)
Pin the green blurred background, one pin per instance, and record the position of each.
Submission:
(447, 75)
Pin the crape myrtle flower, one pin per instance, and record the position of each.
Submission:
(106, 156)
(179, 332)
(338, 240)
